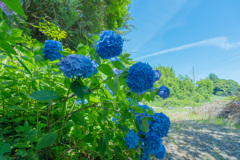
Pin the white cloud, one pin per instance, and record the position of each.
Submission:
(221, 42)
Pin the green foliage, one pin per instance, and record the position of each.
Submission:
(39, 116)
(80, 19)
(224, 87)
(182, 90)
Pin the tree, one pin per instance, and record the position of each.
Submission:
(79, 18)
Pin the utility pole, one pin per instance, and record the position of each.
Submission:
(194, 78)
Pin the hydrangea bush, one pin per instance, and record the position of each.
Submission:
(81, 106)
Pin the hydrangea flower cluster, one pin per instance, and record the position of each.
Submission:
(6, 10)
(164, 92)
(157, 75)
(152, 143)
(160, 124)
(50, 50)
(158, 128)
(131, 139)
(110, 45)
(140, 77)
(76, 66)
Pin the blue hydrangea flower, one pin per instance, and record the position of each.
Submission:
(164, 92)
(157, 75)
(50, 50)
(106, 86)
(152, 143)
(145, 156)
(161, 152)
(4, 8)
(117, 72)
(131, 139)
(140, 77)
(114, 119)
(160, 124)
(76, 66)
(110, 45)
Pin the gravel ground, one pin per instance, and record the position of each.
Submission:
(190, 140)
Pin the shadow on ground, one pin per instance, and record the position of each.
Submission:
(188, 139)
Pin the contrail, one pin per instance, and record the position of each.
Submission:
(221, 42)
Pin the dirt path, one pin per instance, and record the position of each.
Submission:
(192, 140)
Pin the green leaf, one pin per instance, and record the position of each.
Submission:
(145, 126)
(24, 66)
(106, 69)
(17, 108)
(44, 95)
(124, 74)
(4, 148)
(33, 135)
(38, 50)
(115, 84)
(40, 57)
(147, 97)
(95, 38)
(97, 58)
(15, 5)
(78, 118)
(89, 138)
(7, 48)
(118, 65)
(47, 140)
(77, 89)
(102, 145)
(150, 111)
(15, 32)
(2, 57)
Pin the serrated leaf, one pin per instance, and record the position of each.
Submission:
(77, 89)
(47, 140)
(40, 58)
(115, 84)
(38, 50)
(97, 58)
(118, 65)
(78, 118)
(106, 69)
(145, 125)
(44, 95)
(124, 74)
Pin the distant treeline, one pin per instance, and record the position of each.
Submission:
(185, 93)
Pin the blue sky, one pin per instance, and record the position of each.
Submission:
(186, 33)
